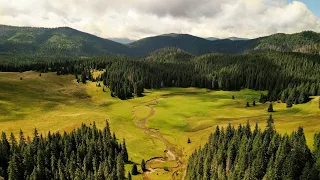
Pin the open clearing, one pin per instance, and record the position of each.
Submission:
(156, 126)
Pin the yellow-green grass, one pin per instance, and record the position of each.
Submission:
(194, 113)
(58, 103)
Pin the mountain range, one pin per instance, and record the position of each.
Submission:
(65, 41)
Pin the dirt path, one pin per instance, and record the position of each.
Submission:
(172, 153)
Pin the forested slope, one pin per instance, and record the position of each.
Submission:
(85, 153)
(59, 42)
(290, 77)
(243, 153)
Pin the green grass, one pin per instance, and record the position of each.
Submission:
(58, 103)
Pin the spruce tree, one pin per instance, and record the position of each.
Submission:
(134, 170)
(270, 108)
(13, 169)
(143, 165)
(124, 151)
(120, 167)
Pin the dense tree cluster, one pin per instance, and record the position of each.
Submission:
(242, 153)
(304, 42)
(85, 153)
(289, 77)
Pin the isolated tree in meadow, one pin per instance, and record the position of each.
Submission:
(143, 165)
(134, 170)
(270, 108)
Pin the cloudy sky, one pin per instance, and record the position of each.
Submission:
(140, 18)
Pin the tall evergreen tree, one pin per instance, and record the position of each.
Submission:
(143, 165)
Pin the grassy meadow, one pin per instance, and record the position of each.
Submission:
(58, 103)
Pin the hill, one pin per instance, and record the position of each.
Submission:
(304, 42)
(191, 44)
(61, 41)
(66, 41)
(170, 54)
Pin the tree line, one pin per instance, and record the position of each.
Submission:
(85, 153)
(243, 153)
(289, 77)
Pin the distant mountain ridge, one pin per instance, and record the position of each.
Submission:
(56, 41)
(122, 40)
(65, 41)
(230, 38)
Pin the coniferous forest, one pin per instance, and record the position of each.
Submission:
(249, 153)
(85, 153)
(289, 77)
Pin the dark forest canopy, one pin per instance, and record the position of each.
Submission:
(289, 77)
(64, 41)
(249, 153)
(85, 153)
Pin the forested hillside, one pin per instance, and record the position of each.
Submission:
(191, 44)
(289, 77)
(85, 153)
(64, 41)
(304, 42)
(250, 153)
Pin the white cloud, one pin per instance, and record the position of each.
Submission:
(139, 18)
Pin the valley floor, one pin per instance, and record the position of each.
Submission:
(156, 127)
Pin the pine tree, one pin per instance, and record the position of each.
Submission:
(143, 165)
(13, 169)
(270, 124)
(134, 170)
(270, 108)
(120, 167)
(124, 151)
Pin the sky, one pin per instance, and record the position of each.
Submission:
(136, 19)
(313, 5)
